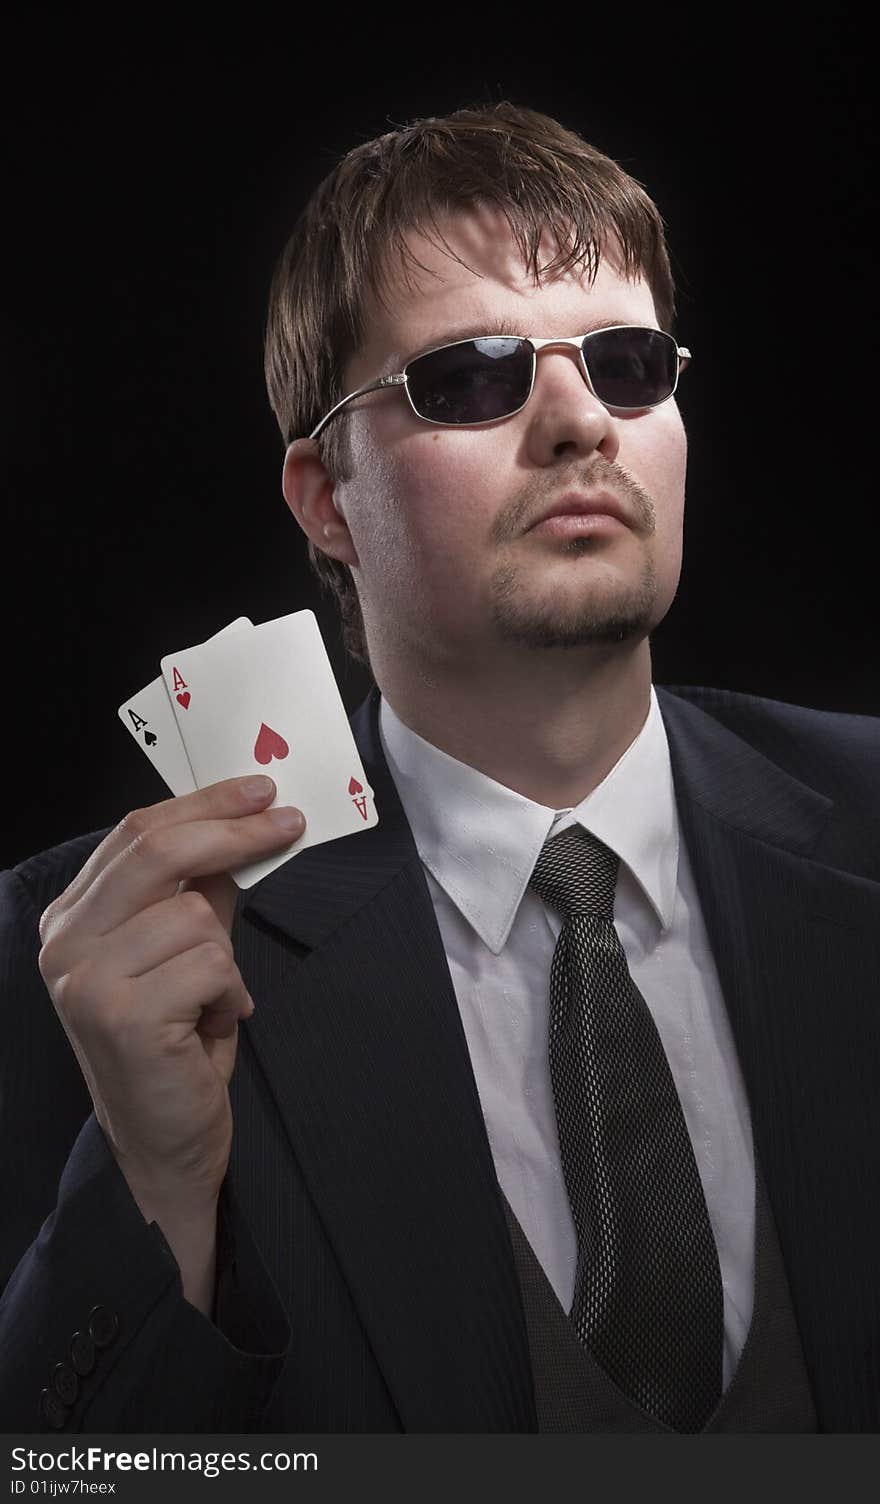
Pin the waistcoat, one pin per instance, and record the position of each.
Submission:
(768, 1391)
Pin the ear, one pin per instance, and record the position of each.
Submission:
(308, 491)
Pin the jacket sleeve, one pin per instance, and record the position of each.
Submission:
(95, 1333)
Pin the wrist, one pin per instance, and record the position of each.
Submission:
(191, 1234)
(181, 1197)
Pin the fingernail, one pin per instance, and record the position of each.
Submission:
(288, 818)
(256, 788)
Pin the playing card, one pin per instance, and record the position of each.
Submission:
(151, 721)
(266, 701)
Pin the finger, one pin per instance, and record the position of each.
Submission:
(157, 860)
(221, 892)
(202, 988)
(158, 933)
(231, 798)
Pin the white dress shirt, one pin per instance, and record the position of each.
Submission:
(479, 842)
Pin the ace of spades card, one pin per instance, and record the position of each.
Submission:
(151, 721)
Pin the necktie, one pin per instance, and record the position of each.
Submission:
(648, 1300)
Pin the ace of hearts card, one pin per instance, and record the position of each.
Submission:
(265, 700)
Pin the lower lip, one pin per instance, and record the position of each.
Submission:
(571, 524)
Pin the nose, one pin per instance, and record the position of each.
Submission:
(562, 415)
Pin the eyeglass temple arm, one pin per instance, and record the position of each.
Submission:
(371, 386)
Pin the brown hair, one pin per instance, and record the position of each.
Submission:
(540, 174)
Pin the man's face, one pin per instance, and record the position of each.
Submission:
(449, 572)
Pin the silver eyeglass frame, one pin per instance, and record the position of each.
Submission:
(577, 341)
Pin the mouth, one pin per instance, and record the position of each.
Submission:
(574, 514)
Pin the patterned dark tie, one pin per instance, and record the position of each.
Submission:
(648, 1300)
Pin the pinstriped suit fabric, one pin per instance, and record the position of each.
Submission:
(369, 1281)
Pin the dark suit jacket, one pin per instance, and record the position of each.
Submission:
(367, 1280)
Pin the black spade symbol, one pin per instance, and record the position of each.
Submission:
(150, 738)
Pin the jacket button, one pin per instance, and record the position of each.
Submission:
(52, 1411)
(82, 1352)
(103, 1325)
(65, 1383)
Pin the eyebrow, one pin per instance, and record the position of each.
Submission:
(505, 326)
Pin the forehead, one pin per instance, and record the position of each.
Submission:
(477, 283)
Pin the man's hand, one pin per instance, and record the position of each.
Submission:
(137, 957)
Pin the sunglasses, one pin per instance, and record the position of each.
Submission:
(627, 367)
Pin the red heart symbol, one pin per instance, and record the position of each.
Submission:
(268, 745)
(184, 699)
(354, 787)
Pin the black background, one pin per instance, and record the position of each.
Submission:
(150, 183)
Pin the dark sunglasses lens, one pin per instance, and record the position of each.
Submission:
(631, 367)
(475, 381)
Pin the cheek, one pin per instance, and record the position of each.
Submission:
(655, 456)
(441, 498)
(670, 463)
(665, 467)
(376, 504)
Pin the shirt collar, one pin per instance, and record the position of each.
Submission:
(481, 840)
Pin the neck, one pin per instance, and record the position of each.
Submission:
(551, 734)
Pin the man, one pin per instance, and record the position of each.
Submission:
(550, 1103)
